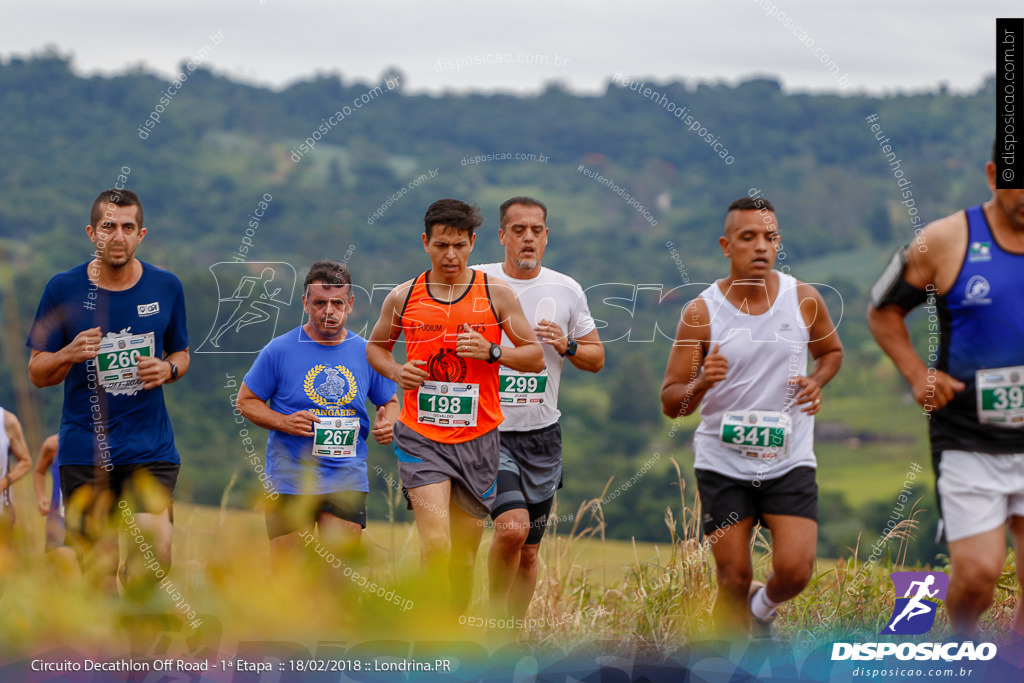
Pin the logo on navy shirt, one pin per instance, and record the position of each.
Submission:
(979, 251)
(148, 309)
(976, 292)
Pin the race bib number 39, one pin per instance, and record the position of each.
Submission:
(521, 388)
(448, 404)
(336, 437)
(117, 361)
(1001, 396)
(757, 433)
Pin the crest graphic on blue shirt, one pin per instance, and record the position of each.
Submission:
(914, 613)
(330, 386)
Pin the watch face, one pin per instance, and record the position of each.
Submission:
(495, 352)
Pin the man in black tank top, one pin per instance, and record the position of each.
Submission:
(972, 262)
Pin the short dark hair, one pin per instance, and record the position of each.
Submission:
(328, 272)
(525, 201)
(453, 214)
(101, 205)
(750, 204)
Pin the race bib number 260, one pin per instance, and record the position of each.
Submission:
(118, 359)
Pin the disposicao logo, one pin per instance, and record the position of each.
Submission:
(914, 613)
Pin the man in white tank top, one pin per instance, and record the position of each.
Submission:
(12, 444)
(740, 355)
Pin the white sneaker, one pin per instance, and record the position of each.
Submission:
(761, 629)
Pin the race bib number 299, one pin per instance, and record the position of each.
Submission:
(521, 388)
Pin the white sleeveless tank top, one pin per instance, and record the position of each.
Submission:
(6, 498)
(764, 352)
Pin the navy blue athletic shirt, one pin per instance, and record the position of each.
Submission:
(97, 427)
(982, 326)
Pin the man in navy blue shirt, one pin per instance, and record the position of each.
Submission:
(309, 387)
(113, 331)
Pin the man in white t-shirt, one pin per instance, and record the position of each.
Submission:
(530, 470)
(741, 351)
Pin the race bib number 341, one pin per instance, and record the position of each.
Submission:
(757, 433)
(336, 437)
(1001, 396)
(118, 361)
(448, 404)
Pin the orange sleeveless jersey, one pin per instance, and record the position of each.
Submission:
(431, 327)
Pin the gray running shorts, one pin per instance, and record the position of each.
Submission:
(472, 467)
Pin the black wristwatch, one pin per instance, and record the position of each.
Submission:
(570, 349)
(174, 371)
(494, 354)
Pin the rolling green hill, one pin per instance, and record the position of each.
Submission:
(359, 193)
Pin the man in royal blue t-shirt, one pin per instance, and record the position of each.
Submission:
(309, 387)
(113, 331)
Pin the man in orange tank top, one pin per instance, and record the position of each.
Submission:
(446, 439)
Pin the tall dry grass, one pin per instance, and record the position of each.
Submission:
(650, 602)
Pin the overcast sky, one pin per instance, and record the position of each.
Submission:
(439, 45)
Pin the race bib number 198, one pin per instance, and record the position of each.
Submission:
(448, 404)
(1001, 396)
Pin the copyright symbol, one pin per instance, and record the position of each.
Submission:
(1008, 174)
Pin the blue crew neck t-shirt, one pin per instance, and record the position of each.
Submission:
(100, 427)
(294, 373)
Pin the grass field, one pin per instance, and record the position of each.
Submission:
(869, 471)
(644, 598)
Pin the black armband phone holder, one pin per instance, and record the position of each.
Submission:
(891, 288)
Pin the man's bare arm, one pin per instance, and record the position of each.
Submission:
(49, 368)
(380, 345)
(688, 374)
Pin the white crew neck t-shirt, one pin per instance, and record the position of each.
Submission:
(548, 296)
